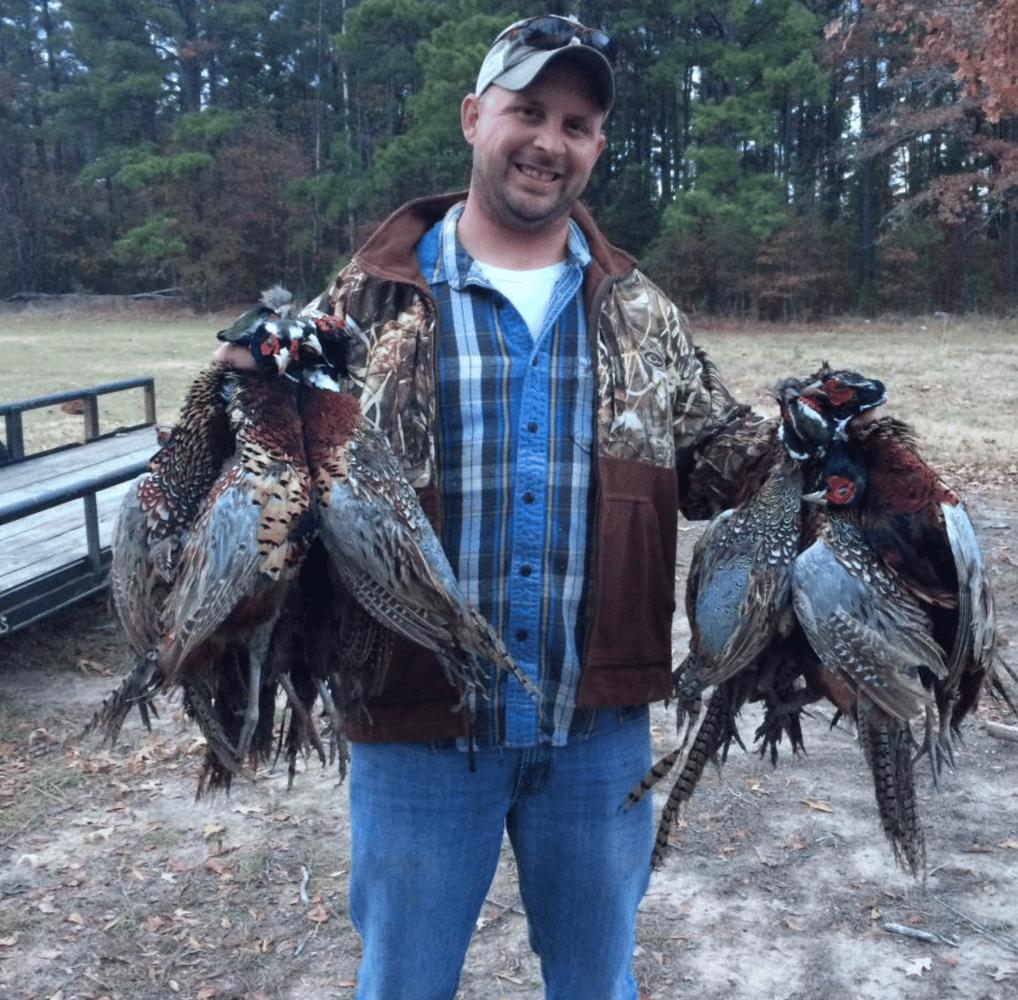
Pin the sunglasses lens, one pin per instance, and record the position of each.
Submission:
(547, 32)
(600, 41)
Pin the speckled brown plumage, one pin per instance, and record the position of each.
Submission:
(383, 548)
(208, 542)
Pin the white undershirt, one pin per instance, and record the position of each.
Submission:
(530, 291)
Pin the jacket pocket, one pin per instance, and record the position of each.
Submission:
(635, 596)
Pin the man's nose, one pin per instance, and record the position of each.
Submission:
(549, 137)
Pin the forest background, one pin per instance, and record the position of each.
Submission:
(773, 159)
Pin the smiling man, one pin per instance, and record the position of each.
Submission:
(534, 149)
(550, 407)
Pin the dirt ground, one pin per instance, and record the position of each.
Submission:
(115, 884)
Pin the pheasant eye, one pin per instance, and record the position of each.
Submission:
(840, 490)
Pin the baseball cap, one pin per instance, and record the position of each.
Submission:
(523, 50)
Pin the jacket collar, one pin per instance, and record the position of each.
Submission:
(389, 252)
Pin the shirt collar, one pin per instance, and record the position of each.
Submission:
(460, 269)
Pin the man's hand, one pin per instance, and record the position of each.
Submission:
(869, 416)
(236, 357)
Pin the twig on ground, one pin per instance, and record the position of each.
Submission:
(1002, 732)
(304, 876)
(914, 932)
(1001, 939)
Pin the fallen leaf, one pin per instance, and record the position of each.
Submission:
(919, 966)
(205, 993)
(818, 805)
(218, 867)
(792, 925)
(318, 914)
(76, 918)
(1001, 974)
(1009, 844)
(9, 942)
(213, 830)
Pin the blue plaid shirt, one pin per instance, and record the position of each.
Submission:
(516, 425)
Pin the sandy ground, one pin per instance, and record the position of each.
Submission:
(114, 883)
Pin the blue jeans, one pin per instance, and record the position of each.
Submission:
(426, 835)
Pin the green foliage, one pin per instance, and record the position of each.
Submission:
(155, 241)
(209, 128)
(431, 155)
(631, 216)
(267, 138)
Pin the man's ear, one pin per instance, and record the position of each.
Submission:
(470, 111)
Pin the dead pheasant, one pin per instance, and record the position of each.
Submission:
(382, 547)
(871, 634)
(208, 543)
(233, 574)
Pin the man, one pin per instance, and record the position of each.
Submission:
(554, 415)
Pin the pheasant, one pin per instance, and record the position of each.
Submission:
(917, 609)
(208, 542)
(875, 646)
(280, 340)
(922, 532)
(382, 547)
(236, 571)
(778, 664)
(841, 396)
(738, 602)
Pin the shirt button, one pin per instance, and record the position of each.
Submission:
(532, 427)
(528, 497)
(525, 571)
(522, 635)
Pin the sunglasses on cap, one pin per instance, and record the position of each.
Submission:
(550, 32)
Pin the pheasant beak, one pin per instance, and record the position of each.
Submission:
(820, 497)
(282, 359)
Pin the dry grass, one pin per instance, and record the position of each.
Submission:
(49, 351)
(952, 378)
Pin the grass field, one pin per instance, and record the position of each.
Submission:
(953, 378)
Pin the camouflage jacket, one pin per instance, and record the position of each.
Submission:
(669, 435)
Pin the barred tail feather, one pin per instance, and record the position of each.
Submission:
(716, 730)
(887, 746)
(651, 778)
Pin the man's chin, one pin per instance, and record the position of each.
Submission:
(536, 213)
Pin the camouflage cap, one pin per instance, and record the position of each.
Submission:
(525, 48)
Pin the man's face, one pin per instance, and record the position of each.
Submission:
(534, 149)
